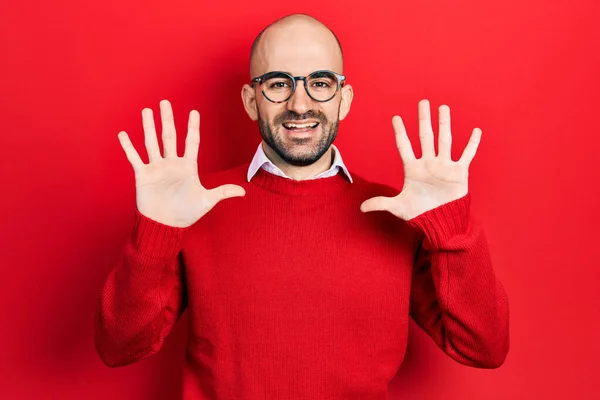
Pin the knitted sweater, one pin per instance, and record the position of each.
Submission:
(293, 293)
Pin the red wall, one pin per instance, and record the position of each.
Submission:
(75, 73)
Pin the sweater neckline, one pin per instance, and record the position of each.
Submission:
(307, 187)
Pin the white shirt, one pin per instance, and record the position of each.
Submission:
(261, 160)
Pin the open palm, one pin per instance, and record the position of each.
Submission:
(431, 180)
(168, 189)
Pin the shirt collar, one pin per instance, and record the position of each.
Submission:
(260, 159)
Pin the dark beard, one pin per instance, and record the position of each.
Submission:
(329, 130)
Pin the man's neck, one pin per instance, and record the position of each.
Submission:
(304, 172)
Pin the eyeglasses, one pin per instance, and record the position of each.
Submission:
(279, 87)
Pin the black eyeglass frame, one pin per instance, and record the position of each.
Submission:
(341, 81)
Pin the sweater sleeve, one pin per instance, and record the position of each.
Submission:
(455, 296)
(143, 296)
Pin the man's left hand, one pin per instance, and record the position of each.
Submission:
(431, 180)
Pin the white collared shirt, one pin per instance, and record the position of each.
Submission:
(261, 160)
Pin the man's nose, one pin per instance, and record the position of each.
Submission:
(300, 102)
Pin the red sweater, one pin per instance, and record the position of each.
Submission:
(293, 293)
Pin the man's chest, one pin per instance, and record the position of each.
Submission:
(298, 276)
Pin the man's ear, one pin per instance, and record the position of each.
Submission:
(347, 95)
(249, 99)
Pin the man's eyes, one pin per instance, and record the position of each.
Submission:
(279, 85)
(321, 84)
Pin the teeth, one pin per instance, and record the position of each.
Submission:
(301, 126)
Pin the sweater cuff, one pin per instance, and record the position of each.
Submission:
(443, 222)
(153, 239)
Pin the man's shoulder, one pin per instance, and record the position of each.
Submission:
(236, 175)
(372, 187)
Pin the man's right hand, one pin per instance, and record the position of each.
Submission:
(168, 189)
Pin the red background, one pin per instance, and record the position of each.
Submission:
(75, 73)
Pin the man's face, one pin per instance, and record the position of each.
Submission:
(301, 129)
(284, 127)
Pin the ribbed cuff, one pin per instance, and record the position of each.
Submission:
(154, 239)
(443, 222)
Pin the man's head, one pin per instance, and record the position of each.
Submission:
(299, 45)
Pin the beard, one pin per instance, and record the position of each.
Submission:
(286, 150)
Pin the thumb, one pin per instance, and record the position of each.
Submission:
(379, 203)
(226, 191)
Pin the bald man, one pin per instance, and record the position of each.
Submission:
(296, 288)
(294, 44)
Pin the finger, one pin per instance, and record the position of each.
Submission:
(379, 203)
(192, 140)
(225, 192)
(471, 148)
(130, 152)
(402, 140)
(150, 135)
(169, 138)
(425, 130)
(445, 135)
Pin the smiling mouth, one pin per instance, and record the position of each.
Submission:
(300, 127)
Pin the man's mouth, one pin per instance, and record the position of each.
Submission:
(298, 127)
